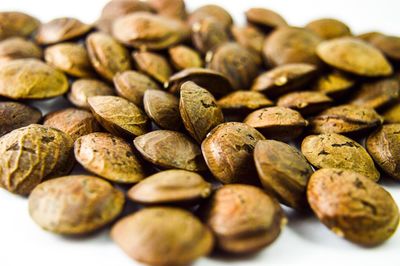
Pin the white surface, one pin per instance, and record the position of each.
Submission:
(303, 242)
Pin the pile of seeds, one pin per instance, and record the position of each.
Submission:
(204, 126)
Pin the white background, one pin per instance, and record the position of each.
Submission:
(303, 242)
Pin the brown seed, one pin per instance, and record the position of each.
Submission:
(118, 116)
(73, 205)
(346, 119)
(265, 19)
(132, 85)
(392, 114)
(283, 79)
(61, 29)
(171, 187)
(388, 45)
(109, 157)
(15, 115)
(291, 45)
(228, 151)
(328, 28)
(163, 108)
(334, 84)
(170, 8)
(377, 94)
(305, 102)
(214, 11)
(208, 34)
(216, 83)
(31, 154)
(17, 48)
(250, 38)
(73, 122)
(17, 24)
(277, 122)
(384, 147)
(108, 57)
(82, 89)
(143, 30)
(31, 79)
(116, 9)
(353, 206)
(199, 110)
(283, 171)
(243, 218)
(243, 102)
(170, 149)
(177, 236)
(154, 65)
(355, 56)
(183, 57)
(337, 151)
(72, 58)
(236, 63)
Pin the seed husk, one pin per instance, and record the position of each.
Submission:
(335, 84)
(119, 116)
(243, 102)
(17, 24)
(170, 149)
(184, 236)
(328, 28)
(337, 151)
(265, 19)
(183, 57)
(82, 89)
(384, 147)
(243, 218)
(18, 48)
(171, 187)
(109, 157)
(14, 115)
(154, 65)
(353, 206)
(228, 152)
(305, 102)
(214, 11)
(208, 34)
(75, 205)
(31, 79)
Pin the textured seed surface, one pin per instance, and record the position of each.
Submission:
(328, 28)
(243, 218)
(31, 79)
(72, 121)
(208, 34)
(132, 85)
(74, 205)
(337, 151)
(170, 186)
(334, 84)
(61, 29)
(384, 147)
(345, 119)
(15, 115)
(291, 45)
(216, 83)
(17, 24)
(243, 101)
(283, 79)
(183, 57)
(306, 102)
(107, 56)
(265, 18)
(154, 65)
(170, 149)
(109, 157)
(280, 123)
(283, 171)
(236, 63)
(82, 89)
(170, 8)
(163, 108)
(214, 11)
(377, 94)
(17, 48)
(144, 30)
(388, 45)
(199, 110)
(249, 37)
(71, 58)
(177, 242)
(30, 154)
(228, 151)
(354, 56)
(353, 206)
(119, 116)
